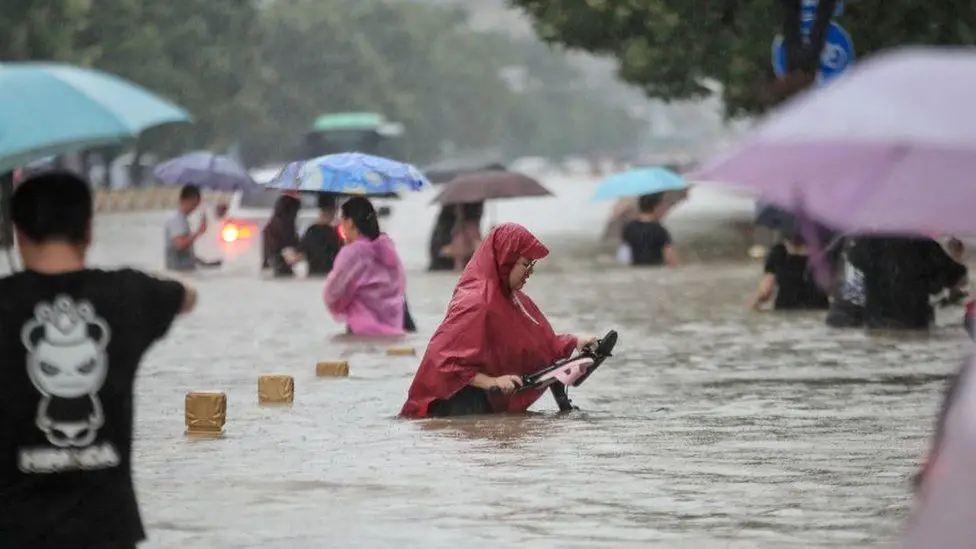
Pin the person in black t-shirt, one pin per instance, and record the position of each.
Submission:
(900, 275)
(321, 242)
(648, 241)
(71, 339)
(787, 274)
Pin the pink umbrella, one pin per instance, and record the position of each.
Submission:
(945, 513)
(889, 147)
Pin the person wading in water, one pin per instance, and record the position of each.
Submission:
(71, 341)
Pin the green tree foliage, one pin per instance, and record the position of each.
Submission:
(672, 48)
(261, 72)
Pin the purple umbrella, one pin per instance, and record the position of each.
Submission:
(888, 148)
(205, 169)
(945, 513)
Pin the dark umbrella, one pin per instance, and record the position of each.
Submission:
(449, 169)
(481, 186)
(206, 170)
(774, 218)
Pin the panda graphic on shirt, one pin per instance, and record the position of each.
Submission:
(67, 364)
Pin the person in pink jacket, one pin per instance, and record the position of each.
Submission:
(366, 286)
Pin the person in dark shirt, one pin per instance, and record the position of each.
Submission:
(648, 241)
(787, 274)
(321, 241)
(900, 275)
(280, 238)
(440, 239)
(71, 340)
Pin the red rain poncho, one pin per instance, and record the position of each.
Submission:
(489, 329)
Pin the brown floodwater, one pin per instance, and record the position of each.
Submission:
(711, 427)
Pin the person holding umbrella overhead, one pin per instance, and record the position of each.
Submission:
(359, 175)
(647, 241)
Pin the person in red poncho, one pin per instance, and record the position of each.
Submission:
(492, 334)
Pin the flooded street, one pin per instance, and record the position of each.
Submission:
(711, 427)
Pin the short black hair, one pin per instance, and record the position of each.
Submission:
(647, 202)
(328, 201)
(189, 191)
(53, 206)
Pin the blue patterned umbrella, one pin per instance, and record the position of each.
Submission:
(349, 173)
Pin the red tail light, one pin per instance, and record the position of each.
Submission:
(233, 231)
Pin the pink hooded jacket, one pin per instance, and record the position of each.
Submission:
(366, 286)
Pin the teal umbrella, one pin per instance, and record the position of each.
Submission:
(48, 109)
(639, 182)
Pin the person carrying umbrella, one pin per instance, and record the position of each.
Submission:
(645, 238)
(72, 342)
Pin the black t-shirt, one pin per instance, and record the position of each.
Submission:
(796, 287)
(647, 240)
(70, 345)
(899, 276)
(320, 244)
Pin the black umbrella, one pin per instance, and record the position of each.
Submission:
(451, 168)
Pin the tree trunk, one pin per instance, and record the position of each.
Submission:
(802, 57)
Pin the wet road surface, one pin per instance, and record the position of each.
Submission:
(712, 427)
